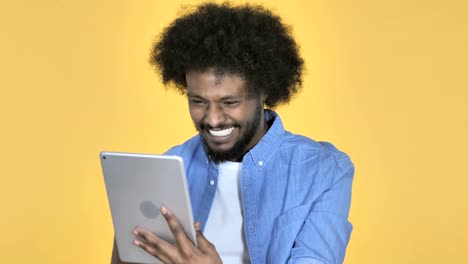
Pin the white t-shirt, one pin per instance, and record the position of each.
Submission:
(224, 227)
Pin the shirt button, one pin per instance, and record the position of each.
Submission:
(260, 163)
(212, 182)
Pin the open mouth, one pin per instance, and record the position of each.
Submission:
(221, 133)
(220, 136)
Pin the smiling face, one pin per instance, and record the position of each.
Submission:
(229, 119)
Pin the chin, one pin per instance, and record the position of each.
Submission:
(221, 152)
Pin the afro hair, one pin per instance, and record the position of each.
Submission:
(246, 40)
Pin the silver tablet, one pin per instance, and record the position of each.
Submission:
(137, 185)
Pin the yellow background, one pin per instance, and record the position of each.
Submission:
(386, 82)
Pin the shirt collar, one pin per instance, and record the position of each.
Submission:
(262, 152)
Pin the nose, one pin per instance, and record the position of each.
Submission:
(215, 116)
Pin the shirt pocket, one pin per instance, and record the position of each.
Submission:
(285, 230)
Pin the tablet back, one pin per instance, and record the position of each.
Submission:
(137, 185)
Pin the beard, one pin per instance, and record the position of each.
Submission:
(239, 147)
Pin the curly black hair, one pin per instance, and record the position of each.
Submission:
(247, 40)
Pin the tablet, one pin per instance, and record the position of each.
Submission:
(137, 186)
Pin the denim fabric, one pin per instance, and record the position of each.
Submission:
(296, 195)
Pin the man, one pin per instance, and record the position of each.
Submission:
(259, 194)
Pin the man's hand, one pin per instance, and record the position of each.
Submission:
(183, 251)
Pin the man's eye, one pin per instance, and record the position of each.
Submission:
(231, 103)
(197, 101)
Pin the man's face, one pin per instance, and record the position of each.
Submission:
(229, 119)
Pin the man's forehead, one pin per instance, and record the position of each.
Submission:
(224, 88)
(198, 80)
(214, 76)
(219, 75)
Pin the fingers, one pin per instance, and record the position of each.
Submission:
(155, 246)
(177, 230)
(184, 249)
(203, 244)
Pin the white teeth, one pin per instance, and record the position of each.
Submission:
(221, 133)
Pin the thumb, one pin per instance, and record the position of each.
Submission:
(203, 244)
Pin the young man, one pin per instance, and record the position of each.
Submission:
(259, 194)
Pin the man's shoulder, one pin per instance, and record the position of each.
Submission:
(296, 147)
(301, 148)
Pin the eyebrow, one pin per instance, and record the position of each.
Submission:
(227, 97)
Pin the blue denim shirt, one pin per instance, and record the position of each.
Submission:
(296, 194)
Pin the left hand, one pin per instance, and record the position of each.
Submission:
(183, 251)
